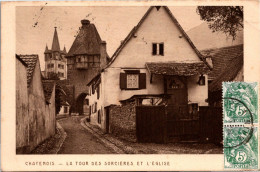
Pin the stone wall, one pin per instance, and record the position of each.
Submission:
(35, 119)
(42, 120)
(22, 118)
(122, 121)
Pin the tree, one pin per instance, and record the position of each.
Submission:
(227, 19)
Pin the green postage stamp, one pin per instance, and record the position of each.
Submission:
(240, 125)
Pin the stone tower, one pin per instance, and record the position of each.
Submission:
(55, 61)
(85, 59)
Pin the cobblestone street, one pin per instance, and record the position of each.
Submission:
(79, 140)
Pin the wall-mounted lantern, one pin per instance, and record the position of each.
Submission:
(201, 80)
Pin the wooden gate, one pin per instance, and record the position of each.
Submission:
(182, 125)
(150, 124)
(160, 124)
(210, 124)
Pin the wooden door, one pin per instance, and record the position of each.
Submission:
(177, 89)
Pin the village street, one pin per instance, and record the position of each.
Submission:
(84, 138)
(79, 140)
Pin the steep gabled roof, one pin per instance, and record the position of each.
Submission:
(222, 58)
(87, 41)
(228, 74)
(55, 42)
(132, 32)
(31, 61)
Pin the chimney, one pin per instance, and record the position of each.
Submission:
(103, 54)
(85, 22)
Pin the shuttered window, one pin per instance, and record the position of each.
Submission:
(132, 81)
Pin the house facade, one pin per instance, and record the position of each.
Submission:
(55, 61)
(156, 62)
(35, 116)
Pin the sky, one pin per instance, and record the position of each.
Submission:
(35, 25)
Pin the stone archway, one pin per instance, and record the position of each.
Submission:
(80, 102)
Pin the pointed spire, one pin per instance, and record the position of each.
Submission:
(55, 42)
(64, 49)
(46, 49)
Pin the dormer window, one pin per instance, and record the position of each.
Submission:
(158, 49)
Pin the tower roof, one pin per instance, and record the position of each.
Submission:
(55, 42)
(87, 41)
(64, 49)
(46, 49)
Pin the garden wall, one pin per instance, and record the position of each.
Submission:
(123, 121)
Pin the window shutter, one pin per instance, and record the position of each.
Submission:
(161, 49)
(142, 81)
(154, 49)
(98, 92)
(122, 81)
(93, 89)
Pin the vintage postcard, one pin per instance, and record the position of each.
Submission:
(141, 85)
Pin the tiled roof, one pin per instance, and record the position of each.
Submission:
(222, 58)
(228, 74)
(18, 57)
(31, 61)
(180, 69)
(48, 86)
(131, 34)
(87, 41)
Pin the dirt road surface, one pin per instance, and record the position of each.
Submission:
(79, 140)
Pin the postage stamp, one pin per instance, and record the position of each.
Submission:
(240, 129)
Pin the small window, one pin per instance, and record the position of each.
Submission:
(86, 102)
(158, 49)
(98, 91)
(132, 80)
(65, 109)
(93, 89)
(99, 117)
(95, 106)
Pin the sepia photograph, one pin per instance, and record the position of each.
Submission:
(124, 79)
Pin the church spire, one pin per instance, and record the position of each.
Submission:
(46, 49)
(55, 42)
(64, 49)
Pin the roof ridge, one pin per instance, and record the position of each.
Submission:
(222, 47)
